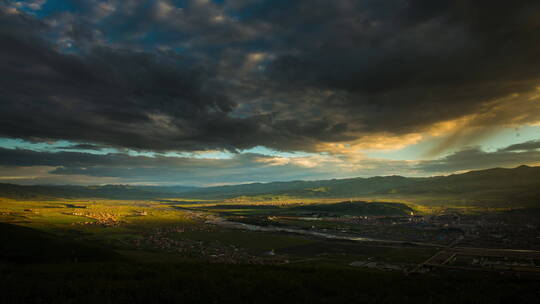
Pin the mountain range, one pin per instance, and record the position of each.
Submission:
(517, 184)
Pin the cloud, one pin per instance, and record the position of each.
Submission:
(305, 75)
(27, 166)
(116, 97)
(526, 146)
(476, 158)
(405, 68)
(42, 175)
(81, 147)
(40, 167)
(159, 169)
(30, 4)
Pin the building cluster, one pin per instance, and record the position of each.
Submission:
(169, 239)
(377, 265)
(103, 219)
(498, 230)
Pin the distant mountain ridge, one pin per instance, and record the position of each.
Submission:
(522, 182)
(497, 180)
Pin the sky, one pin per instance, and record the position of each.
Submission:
(214, 92)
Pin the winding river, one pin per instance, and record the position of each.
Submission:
(216, 220)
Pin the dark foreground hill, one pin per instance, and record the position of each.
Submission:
(25, 245)
(44, 271)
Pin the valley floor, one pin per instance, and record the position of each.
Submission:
(94, 251)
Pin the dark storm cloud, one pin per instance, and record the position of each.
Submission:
(82, 147)
(28, 158)
(195, 75)
(405, 64)
(117, 97)
(526, 146)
